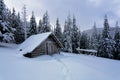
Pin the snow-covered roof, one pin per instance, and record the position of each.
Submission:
(32, 42)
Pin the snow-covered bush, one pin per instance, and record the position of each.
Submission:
(106, 48)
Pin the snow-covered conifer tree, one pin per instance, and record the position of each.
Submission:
(105, 33)
(46, 23)
(19, 32)
(40, 27)
(58, 30)
(33, 25)
(106, 46)
(14, 23)
(75, 35)
(6, 34)
(79, 37)
(117, 42)
(68, 35)
(94, 38)
(84, 41)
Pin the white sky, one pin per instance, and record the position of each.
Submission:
(86, 11)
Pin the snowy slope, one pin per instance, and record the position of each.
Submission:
(66, 66)
(99, 31)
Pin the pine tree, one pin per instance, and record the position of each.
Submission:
(2, 9)
(14, 23)
(84, 41)
(94, 38)
(68, 35)
(8, 15)
(75, 36)
(6, 34)
(40, 27)
(58, 30)
(46, 23)
(106, 46)
(117, 42)
(79, 37)
(105, 33)
(19, 32)
(33, 26)
(65, 36)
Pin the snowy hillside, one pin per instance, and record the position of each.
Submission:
(64, 66)
(99, 31)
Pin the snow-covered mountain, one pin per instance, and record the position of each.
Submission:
(99, 31)
(64, 66)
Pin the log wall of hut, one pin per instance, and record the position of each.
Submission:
(48, 47)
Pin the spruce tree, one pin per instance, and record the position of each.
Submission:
(79, 37)
(94, 38)
(14, 23)
(19, 32)
(105, 33)
(67, 42)
(2, 10)
(33, 26)
(40, 27)
(117, 42)
(84, 41)
(75, 36)
(6, 34)
(46, 23)
(65, 36)
(106, 46)
(58, 30)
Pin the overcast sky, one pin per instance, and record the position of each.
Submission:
(86, 11)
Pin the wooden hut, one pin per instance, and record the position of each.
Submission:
(41, 44)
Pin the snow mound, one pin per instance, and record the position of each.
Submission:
(32, 42)
(8, 45)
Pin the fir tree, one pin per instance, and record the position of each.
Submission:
(40, 27)
(33, 26)
(105, 33)
(58, 30)
(14, 23)
(8, 15)
(65, 36)
(75, 36)
(117, 42)
(2, 10)
(79, 37)
(45, 23)
(68, 35)
(106, 46)
(19, 32)
(84, 41)
(6, 34)
(94, 38)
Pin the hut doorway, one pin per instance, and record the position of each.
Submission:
(49, 47)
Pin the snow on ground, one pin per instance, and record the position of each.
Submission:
(64, 66)
(87, 50)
